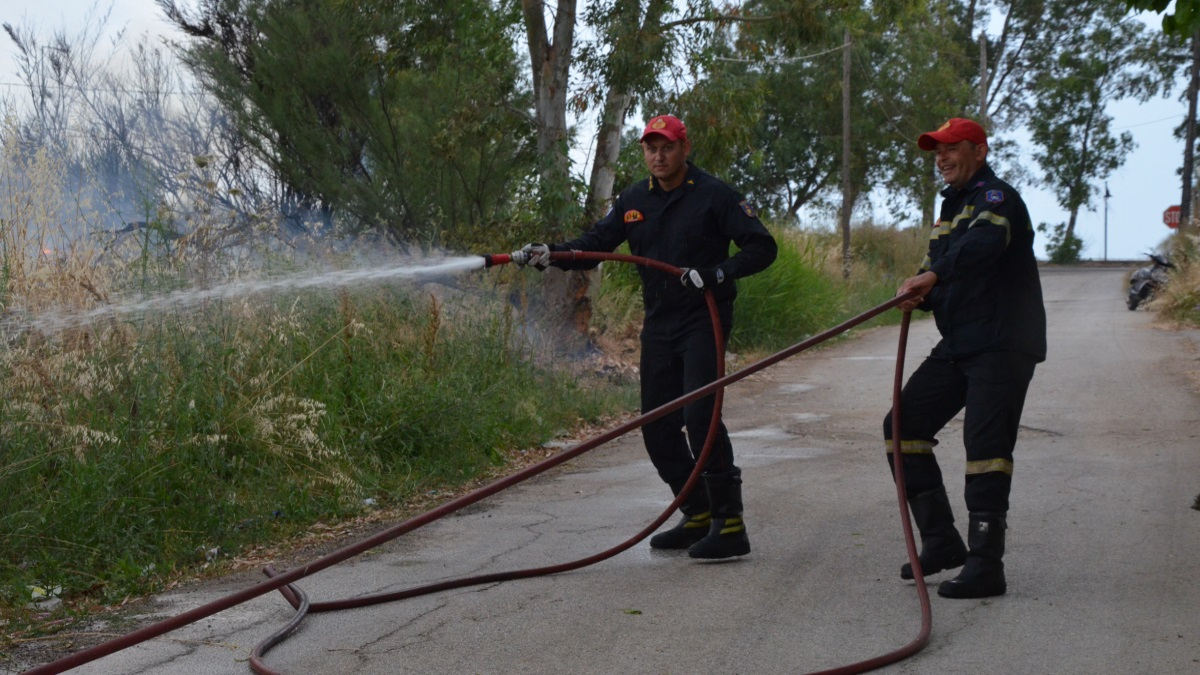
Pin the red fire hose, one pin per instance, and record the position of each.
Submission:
(284, 582)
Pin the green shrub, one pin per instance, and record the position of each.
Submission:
(789, 301)
(1061, 248)
(805, 292)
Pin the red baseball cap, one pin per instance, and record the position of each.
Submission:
(668, 126)
(957, 129)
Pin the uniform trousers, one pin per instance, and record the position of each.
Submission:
(678, 356)
(991, 387)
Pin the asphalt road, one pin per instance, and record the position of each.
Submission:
(1103, 546)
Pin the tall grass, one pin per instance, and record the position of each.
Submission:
(133, 446)
(1181, 297)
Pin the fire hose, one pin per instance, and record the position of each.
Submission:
(284, 582)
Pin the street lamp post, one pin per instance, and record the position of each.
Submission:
(1107, 194)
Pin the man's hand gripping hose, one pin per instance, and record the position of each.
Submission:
(284, 582)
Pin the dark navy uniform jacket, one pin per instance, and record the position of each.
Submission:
(988, 296)
(690, 226)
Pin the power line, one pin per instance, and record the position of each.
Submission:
(1142, 124)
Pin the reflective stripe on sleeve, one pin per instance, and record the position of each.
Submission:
(998, 220)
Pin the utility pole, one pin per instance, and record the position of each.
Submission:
(1185, 201)
(846, 157)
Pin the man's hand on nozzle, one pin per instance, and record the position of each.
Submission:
(921, 285)
(702, 278)
(536, 256)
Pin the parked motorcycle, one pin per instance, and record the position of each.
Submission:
(1146, 281)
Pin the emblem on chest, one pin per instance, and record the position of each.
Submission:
(634, 216)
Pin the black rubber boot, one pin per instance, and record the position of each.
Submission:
(695, 523)
(983, 575)
(726, 536)
(942, 547)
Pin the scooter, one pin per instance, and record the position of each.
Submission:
(1146, 281)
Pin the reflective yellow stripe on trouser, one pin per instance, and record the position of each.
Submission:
(1004, 466)
(912, 447)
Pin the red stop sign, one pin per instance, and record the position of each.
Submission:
(1171, 216)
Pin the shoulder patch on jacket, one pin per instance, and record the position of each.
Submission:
(993, 196)
(633, 216)
(747, 209)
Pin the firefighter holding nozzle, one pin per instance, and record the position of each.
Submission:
(980, 280)
(684, 217)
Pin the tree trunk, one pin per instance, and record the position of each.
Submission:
(608, 148)
(847, 198)
(550, 66)
(567, 308)
(1189, 146)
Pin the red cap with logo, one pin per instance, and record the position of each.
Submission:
(668, 126)
(957, 129)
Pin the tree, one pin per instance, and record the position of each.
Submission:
(782, 80)
(1182, 23)
(367, 109)
(550, 56)
(636, 55)
(1097, 56)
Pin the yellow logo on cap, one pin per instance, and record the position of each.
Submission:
(659, 123)
(944, 127)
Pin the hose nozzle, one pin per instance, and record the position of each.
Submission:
(493, 259)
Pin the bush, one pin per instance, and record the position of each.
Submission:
(1061, 248)
(1180, 300)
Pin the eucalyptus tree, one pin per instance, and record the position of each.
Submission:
(783, 82)
(638, 52)
(920, 71)
(1183, 21)
(1094, 55)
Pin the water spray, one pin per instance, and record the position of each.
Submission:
(191, 297)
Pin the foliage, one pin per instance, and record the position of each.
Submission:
(1091, 62)
(1183, 22)
(1062, 246)
(124, 134)
(789, 301)
(367, 108)
(1180, 300)
(131, 449)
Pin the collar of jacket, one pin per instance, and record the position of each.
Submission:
(981, 178)
(689, 181)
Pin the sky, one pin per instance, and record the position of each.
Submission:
(1141, 189)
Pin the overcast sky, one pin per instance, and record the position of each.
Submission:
(1141, 189)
